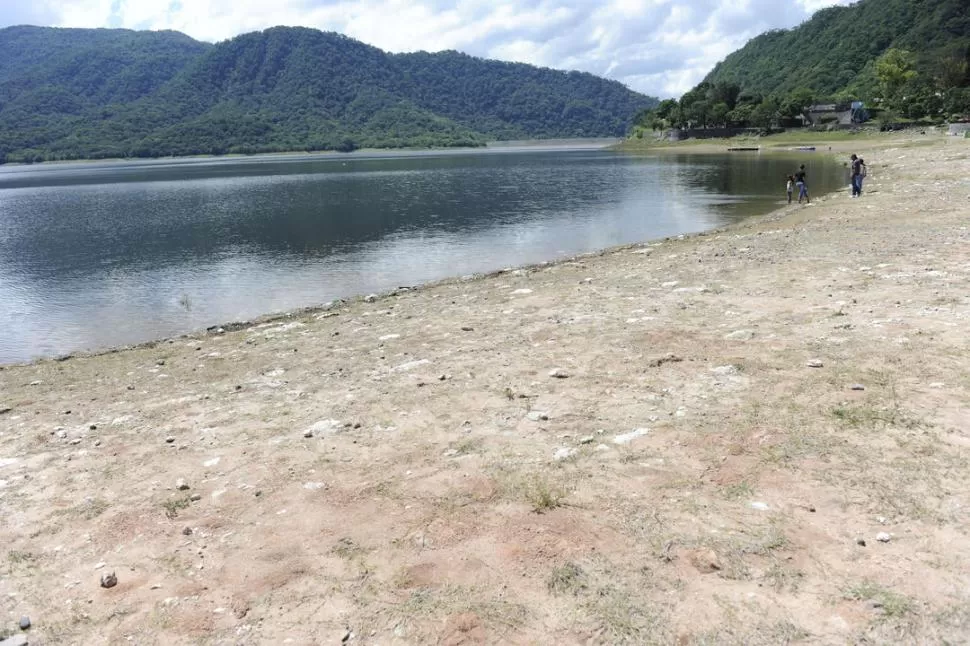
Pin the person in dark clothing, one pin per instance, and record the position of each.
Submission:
(802, 185)
(858, 174)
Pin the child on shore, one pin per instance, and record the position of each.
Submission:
(790, 186)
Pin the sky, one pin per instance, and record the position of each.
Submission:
(659, 47)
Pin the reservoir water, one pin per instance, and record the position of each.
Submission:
(96, 255)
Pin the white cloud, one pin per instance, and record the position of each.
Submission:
(661, 47)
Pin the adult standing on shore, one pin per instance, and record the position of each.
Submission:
(858, 173)
(802, 184)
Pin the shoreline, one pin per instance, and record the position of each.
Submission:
(270, 317)
(754, 434)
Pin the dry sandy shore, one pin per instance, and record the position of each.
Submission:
(408, 471)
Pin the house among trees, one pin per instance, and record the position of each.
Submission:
(836, 114)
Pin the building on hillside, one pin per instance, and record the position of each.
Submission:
(837, 114)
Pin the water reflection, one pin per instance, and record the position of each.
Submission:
(93, 255)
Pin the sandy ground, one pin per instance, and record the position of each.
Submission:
(692, 441)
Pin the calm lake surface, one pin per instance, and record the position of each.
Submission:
(97, 255)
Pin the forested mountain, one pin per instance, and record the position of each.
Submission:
(75, 93)
(835, 52)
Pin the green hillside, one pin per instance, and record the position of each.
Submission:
(902, 58)
(74, 93)
(834, 54)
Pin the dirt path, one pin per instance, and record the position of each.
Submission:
(691, 441)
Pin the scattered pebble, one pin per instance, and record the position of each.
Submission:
(370, 298)
(589, 439)
(169, 440)
(24, 622)
(196, 497)
(109, 580)
(308, 433)
(815, 363)
(181, 484)
(861, 542)
(558, 373)
(883, 537)
(15, 640)
(467, 328)
(537, 416)
(760, 506)
(857, 387)
(186, 531)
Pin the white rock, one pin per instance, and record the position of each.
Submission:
(521, 292)
(558, 373)
(760, 506)
(325, 427)
(211, 463)
(564, 453)
(538, 416)
(314, 486)
(370, 298)
(815, 363)
(725, 370)
(883, 537)
(740, 335)
(626, 438)
(389, 337)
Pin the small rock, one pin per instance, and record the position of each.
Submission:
(537, 416)
(181, 484)
(861, 542)
(109, 580)
(308, 433)
(724, 371)
(626, 438)
(740, 335)
(883, 537)
(559, 373)
(589, 439)
(4, 410)
(467, 328)
(857, 387)
(706, 561)
(16, 640)
(346, 637)
(169, 440)
(156, 586)
(160, 362)
(258, 493)
(815, 363)
(196, 497)
(186, 531)
(564, 453)
(24, 622)
(370, 298)
(760, 506)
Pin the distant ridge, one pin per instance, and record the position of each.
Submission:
(96, 93)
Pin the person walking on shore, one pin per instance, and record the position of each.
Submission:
(802, 185)
(790, 186)
(858, 173)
